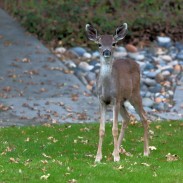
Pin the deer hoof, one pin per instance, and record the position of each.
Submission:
(146, 153)
(116, 158)
(98, 159)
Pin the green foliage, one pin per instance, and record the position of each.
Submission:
(65, 20)
(62, 153)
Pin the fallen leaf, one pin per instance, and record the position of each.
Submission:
(158, 127)
(152, 148)
(25, 60)
(72, 181)
(74, 97)
(45, 177)
(171, 157)
(13, 160)
(4, 108)
(7, 89)
(145, 164)
(120, 167)
(46, 156)
(44, 161)
(27, 139)
(123, 151)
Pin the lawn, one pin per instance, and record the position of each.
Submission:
(65, 153)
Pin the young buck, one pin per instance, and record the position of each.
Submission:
(118, 82)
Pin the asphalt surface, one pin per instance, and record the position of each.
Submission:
(35, 86)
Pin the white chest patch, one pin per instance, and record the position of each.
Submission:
(106, 68)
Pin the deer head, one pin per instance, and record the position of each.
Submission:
(106, 43)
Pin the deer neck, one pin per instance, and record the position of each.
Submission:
(106, 67)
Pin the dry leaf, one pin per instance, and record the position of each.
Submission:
(7, 89)
(25, 60)
(145, 164)
(45, 177)
(72, 181)
(46, 156)
(158, 127)
(123, 151)
(120, 167)
(152, 148)
(171, 157)
(13, 160)
(74, 97)
(27, 139)
(44, 161)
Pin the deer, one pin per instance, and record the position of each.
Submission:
(118, 82)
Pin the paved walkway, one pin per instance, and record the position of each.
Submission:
(35, 86)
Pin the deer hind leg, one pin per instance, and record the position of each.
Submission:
(126, 119)
(101, 131)
(137, 103)
(115, 132)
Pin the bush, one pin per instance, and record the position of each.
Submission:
(65, 20)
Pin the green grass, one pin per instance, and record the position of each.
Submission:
(67, 152)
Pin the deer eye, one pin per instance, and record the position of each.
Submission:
(113, 44)
(99, 45)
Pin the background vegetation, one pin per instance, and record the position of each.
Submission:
(55, 20)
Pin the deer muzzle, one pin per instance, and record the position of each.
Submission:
(106, 53)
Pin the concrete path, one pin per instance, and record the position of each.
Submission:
(33, 83)
(34, 86)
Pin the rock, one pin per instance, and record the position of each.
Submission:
(85, 66)
(70, 64)
(90, 77)
(179, 46)
(78, 50)
(160, 51)
(147, 109)
(141, 64)
(96, 54)
(170, 92)
(159, 77)
(142, 93)
(177, 68)
(131, 48)
(144, 88)
(159, 106)
(155, 89)
(167, 58)
(158, 100)
(136, 56)
(149, 66)
(147, 102)
(150, 82)
(180, 55)
(148, 94)
(166, 73)
(87, 55)
(120, 54)
(121, 49)
(60, 50)
(151, 75)
(164, 41)
(81, 76)
(94, 63)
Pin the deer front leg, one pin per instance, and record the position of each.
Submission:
(115, 132)
(101, 132)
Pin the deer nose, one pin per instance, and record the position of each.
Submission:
(106, 53)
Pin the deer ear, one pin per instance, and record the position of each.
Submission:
(121, 32)
(91, 33)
